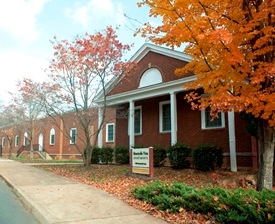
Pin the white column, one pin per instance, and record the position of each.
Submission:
(173, 106)
(131, 124)
(100, 117)
(232, 141)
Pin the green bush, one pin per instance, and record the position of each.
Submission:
(229, 206)
(207, 157)
(178, 154)
(159, 155)
(122, 154)
(95, 155)
(106, 154)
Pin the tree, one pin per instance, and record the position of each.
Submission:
(9, 126)
(27, 109)
(232, 47)
(80, 71)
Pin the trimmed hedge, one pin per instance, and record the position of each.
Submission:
(122, 155)
(178, 154)
(207, 157)
(106, 154)
(159, 155)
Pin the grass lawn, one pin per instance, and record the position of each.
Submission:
(116, 179)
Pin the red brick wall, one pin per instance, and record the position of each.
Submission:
(164, 64)
(189, 129)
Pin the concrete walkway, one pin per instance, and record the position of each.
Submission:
(56, 199)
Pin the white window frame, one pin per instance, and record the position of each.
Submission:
(71, 133)
(107, 132)
(16, 141)
(25, 140)
(52, 134)
(161, 115)
(203, 121)
(3, 142)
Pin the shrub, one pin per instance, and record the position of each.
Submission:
(159, 155)
(207, 157)
(229, 206)
(95, 155)
(106, 154)
(178, 154)
(122, 155)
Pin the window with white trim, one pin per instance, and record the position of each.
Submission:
(165, 116)
(207, 122)
(52, 136)
(110, 132)
(138, 121)
(25, 142)
(3, 142)
(16, 141)
(73, 136)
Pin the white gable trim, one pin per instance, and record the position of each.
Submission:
(149, 91)
(160, 50)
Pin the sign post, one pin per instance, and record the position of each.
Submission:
(142, 161)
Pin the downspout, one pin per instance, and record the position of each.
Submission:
(232, 141)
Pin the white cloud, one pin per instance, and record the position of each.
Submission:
(96, 13)
(19, 17)
(15, 66)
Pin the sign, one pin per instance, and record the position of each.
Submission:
(140, 157)
(142, 161)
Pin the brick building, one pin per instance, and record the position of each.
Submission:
(147, 107)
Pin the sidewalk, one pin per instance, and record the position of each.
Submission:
(55, 199)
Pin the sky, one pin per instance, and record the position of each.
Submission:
(27, 26)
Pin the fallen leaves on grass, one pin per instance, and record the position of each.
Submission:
(115, 179)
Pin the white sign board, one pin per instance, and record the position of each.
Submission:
(140, 157)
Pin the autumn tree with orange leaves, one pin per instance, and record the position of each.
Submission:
(232, 45)
(79, 72)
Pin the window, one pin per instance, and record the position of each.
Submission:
(110, 132)
(208, 123)
(3, 142)
(138, 120)
(52, 136)
(73, 136)
(165, 116)
(25, 139)
(150, 77)
(16, 142)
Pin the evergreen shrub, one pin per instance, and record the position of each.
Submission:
(95, 155)
(106, 154)
(207, 157)
(228, 206)
(159, 155)
(122, 154)
(178, 154)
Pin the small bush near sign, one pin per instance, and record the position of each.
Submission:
(159, 155)
(178, 154)
(122, 155)
(207, 157)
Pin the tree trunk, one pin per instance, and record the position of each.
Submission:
(266, 145)
(10, 150)
(88, 155)
(31, 150)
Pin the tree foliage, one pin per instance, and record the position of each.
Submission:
(232, 47)
(79, 72)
